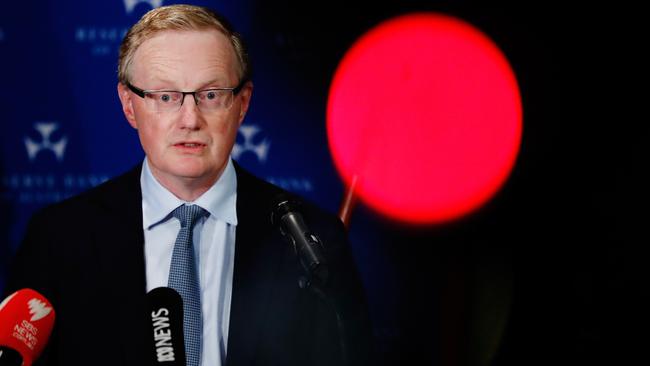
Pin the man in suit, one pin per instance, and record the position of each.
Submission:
(184, 85)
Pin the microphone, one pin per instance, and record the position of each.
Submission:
(165, 307)
(26, 322)
(308, 246)
(10, 357)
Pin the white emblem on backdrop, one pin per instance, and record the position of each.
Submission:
(260, 150)
(129, 5)
(46, 129)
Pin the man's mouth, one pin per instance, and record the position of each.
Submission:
(190, 146)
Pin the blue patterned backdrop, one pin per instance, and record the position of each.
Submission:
(496, 285)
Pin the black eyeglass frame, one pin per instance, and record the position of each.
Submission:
(142, 93)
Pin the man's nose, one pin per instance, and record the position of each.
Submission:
(190, 115)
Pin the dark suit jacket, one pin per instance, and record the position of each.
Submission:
(86, 255)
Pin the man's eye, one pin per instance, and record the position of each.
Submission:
(211, 95)
(165, 98)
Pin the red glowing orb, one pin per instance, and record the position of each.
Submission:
(425, 111)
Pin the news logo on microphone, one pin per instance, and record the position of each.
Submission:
(26, 322)
(165, 307)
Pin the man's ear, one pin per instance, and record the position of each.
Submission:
(245, 94)
(127, 104)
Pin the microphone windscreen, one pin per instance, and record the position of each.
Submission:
(10, 357)
(165, 307)
(281, 205)
(26, 322)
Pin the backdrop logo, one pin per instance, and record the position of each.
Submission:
(260, 150)
(104, 41)
(45, 129)
(129, 5)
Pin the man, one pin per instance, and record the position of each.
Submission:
(184, 85)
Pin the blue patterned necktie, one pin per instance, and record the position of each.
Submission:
(184, 278)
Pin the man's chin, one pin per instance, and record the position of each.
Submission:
(191, 173)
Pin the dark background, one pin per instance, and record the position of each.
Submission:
(551, 271)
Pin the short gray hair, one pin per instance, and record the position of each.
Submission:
(178, 17)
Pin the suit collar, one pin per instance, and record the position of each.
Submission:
(257, 260)
(121, 255)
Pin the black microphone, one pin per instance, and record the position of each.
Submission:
(165, 307)
(10, 357)
(308, 246)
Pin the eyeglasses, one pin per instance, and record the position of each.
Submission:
(208, 100)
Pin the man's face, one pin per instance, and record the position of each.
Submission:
(188, 148)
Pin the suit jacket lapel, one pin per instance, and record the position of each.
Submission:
(122, 262)
(256, 264)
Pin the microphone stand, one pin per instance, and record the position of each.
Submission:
(318, 288)
(308, 248)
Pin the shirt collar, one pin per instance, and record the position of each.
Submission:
(220, 200)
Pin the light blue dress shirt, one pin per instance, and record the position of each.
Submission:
(214, 246)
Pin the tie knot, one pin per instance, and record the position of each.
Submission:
(187, 214)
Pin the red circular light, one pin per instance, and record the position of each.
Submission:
(425, 110)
